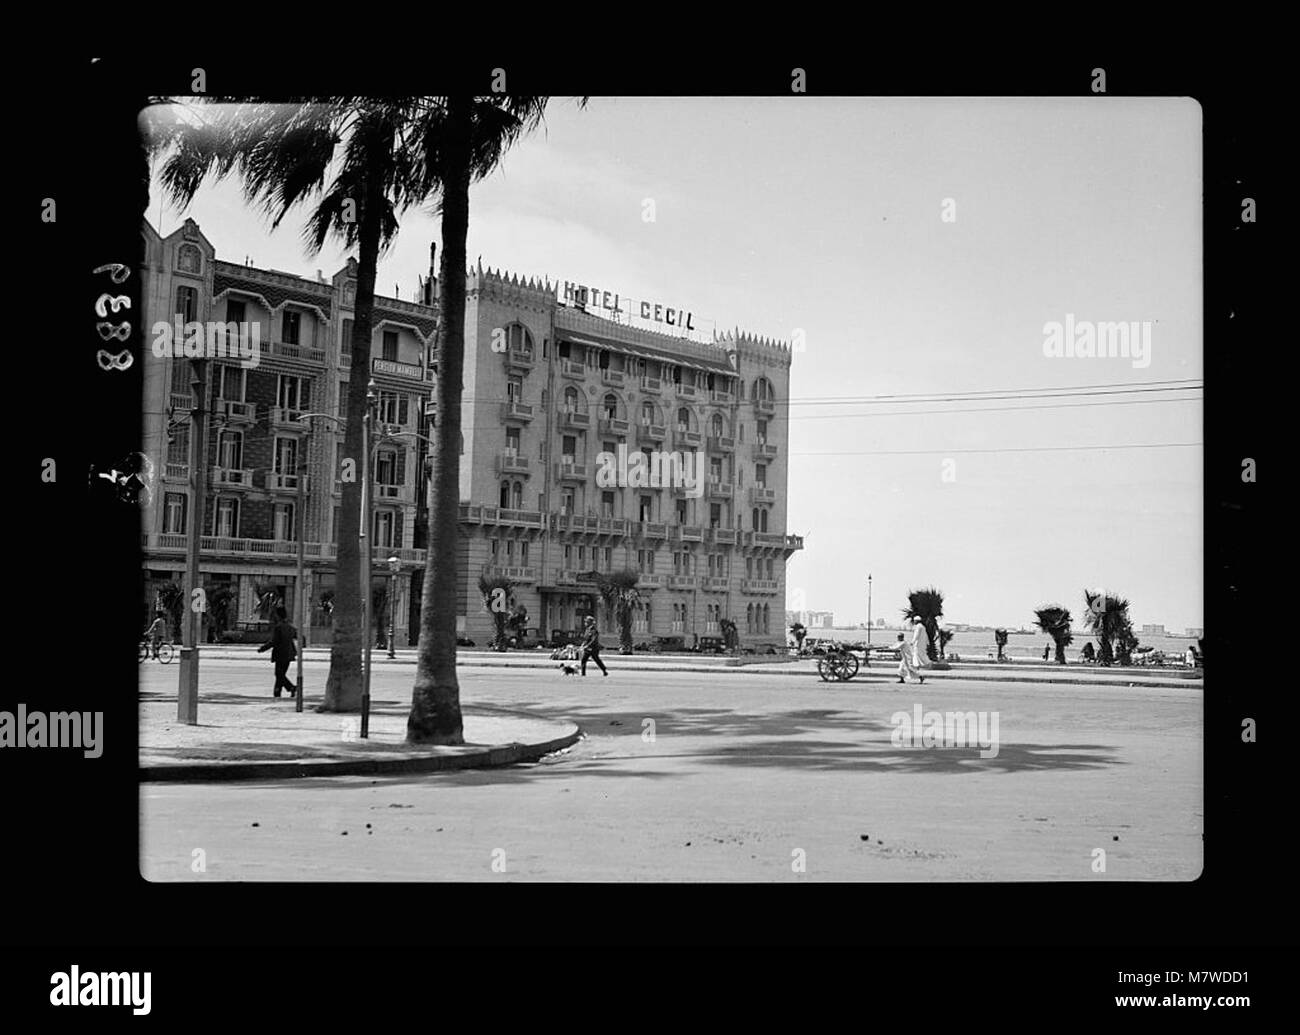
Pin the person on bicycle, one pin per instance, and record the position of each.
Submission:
(156, 632)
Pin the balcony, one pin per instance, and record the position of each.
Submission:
(284, 418)
(571, 471)
(764, 451)
(685, 391)
(794, 542)
(232, 476)
(681, 581)
(176, 472)
(511, 463)
(471, 513)
(760, 585)
(686, 439)
(724, 536)
(720, 490)
(692, 534)
(389, 492)
(516, 411)
(715, 583)
(288, 350)
(272, 548)
(652, 384)
(611, 526)
(765, 406)
(406, 371)
(236, 412)
(286, 482)
(566, 577)
(579, 420)
(613, 378)
(650, 581)
(614, 426)
(723, 398)
(766, 539)
(575, 523)
(180, 401)
(647, 432)
(761, 494)
(507, 516)
(520, 359)
(722, 444)
(572, 368)
(515, 574)
(654, 530)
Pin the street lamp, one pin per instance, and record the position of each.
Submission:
(868, 612)
(187, 692)
(394, 566)
(371, 399)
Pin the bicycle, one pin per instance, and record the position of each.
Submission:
(165, 650)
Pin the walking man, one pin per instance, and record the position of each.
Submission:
(909, 653)
(283, 650)
(591, 646)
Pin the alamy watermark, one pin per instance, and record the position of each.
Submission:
(211, 340)
(95, 988)
(924, 729)
(653, 470)
(77, 730)
(1084, 339)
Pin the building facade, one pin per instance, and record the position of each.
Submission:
(556, 399)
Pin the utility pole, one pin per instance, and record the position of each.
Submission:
(300, 517)
(868, 611)
(187, 695)
(366, 559)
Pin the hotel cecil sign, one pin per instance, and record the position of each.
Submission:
(651, 312)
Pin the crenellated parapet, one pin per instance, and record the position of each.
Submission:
(756, 348)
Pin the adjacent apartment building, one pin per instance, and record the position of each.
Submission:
(557, 399)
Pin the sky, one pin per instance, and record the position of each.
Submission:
(914, 247)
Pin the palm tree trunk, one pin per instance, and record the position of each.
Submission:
(435, 716)
(343, 687)
(1060, 650)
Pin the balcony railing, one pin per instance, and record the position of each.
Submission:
(647, 432)
(521, 359)
(764, 451)
(765, 406)
(286, 350)
(576, 523)
(410, 371)
(681, 581)
(240, 412)
(614, 378)
(760, 585)
(612, 526)
(794, 542)
(761, 494)
(654, 529)
(180, 401)
(177, 472)
(518, 574)
(652, 384)
(720, 489)
(283, 417)
(724, 536)
(715, 583)
(722, 444)
(232, 476)
(614, 426)
(286, 482)
(566, 577)
(508, 516)
(571, 471)
(572, 368)
(651, 581)
(579, 419)
(389, 492)
(692, 534)
(512, 463)
(513, 410)
(721, 397)
(768, 538)
(685, 439)
(685, 391)
(277, 548)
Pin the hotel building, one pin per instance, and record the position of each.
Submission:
(549, 386)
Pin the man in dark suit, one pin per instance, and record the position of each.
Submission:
(283, 650)
(591, 646)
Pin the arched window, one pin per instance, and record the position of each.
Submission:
(766, 616)
(189, 259)
(505, 495)
(647, 412)
(683, 419)
(749, 618)
(517, 337)
(610, 404)
(570, 400)
(762, 517)
(715, 426)
(517, 496)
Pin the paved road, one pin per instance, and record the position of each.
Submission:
(726, 777)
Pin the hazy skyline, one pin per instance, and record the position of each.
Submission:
(826, 217)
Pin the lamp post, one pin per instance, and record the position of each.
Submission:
(371, 398)
(868, 612)
(187, 695)
(394, 566)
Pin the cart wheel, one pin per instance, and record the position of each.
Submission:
(848, 667)
(824, 670)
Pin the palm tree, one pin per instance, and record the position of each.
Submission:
(622, 598)
(471, 136)
(927, 605)
(798, 631)
(1106, 618)
(1055, 621)
(496, 591)
(1126, 642)
(729, 638)
(284, 154)
(944, 636)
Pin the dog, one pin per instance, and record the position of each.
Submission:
(568, 668)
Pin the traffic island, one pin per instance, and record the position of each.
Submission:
(243, 738)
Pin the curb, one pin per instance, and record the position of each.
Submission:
(488, 757)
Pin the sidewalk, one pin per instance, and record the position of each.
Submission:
(760, 664)
(253, 737)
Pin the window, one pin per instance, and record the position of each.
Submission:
(715, 515)
(390, 346)
(523, 552)
(647, 413)
(749, 567)
(230, 450)
(517, 495)
(236, 311)
(386, 467)
(566, 501)
(607, 504)
(681, 512)
(760, 475)
(342, 408)
(293, 393)
(609, 406)
(762, 521)
(564, 350)
(174, 513)
(571, 404)
(291, 326)
(512, 441)
(347, 336)
(226, 517)
(282, 520)
(515, 390)
(683, 419)
(504, 499)
(762, 433)
(189, 259)
(393, 408)
(178, 447)
(187, 304)
(383, 528)
(286, 456)
(603, 362)
(645, 509)
(609, 447)
(609, 558)
(715, 468)
(517, 337)
(229, 382)
(749, 618)
(715, 426)
(568, 448)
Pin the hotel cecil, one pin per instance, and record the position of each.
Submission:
(549, 386)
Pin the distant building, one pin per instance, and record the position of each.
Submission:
(1195, 632)
(1153, 630)
(811, 619)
